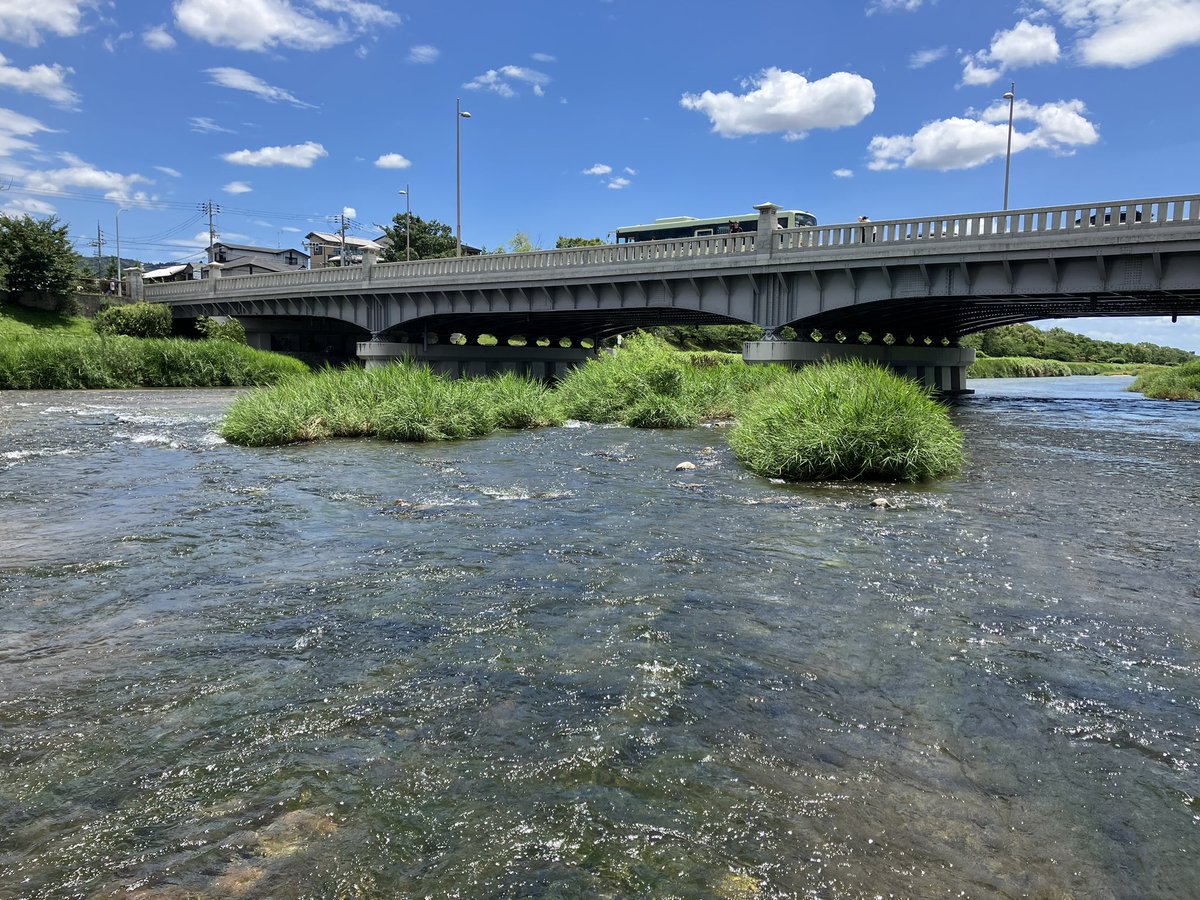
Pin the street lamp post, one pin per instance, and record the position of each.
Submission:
(1010, 96)
(459, 116)
(407, 223)
(119, 274)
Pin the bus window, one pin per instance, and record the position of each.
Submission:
(704, 232)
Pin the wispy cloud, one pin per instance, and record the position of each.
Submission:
(542, 57)
(923, 58)
(300, 156)
(237, 187)
(15, 128)
(263, 25)
(423, 53)
(167, 170)
(45, 81)
(619, 183)
(241, 80)
(500, 80)
(158, 38)
(598, 169)
(843, 173)
(205, 125)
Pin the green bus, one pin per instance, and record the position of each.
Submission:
(689, 226)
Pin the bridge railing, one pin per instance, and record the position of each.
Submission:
(858, 237)
(1039, 221)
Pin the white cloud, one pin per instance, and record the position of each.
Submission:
(786, 102)
(598, 169)
(21, 206)
(266, 24)
(1025, 44)
(14, 128)
(158, 38)
(629, 171)
(498, 80)
(349, 212)
(25, 22)
(45, 81)
(301, 156)
(111, 42)
(542, 57)
(237, 187)
(843, 173)
(923, 58)
(893, 6)
(205, 125)
(619, 183)
(423, 53)
(240, 80)
(291, 229)
(365, 16)
(79, 174)
(1129, 33)
(393, 161)
(167, 170)
(963, 143)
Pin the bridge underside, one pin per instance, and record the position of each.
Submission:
(572, 325)
(953, 317)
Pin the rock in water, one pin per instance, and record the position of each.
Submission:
(685, 466)
(882, 503)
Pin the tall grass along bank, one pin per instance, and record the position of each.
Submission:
(401, 402)
(54, 362)
(847, 420)
(1176, 383)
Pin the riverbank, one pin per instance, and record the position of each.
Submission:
(1177, 383)
(50, 351)
(1035, 367)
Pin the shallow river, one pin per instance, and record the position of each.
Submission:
(549, 664)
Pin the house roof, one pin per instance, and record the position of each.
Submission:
(167, 271)
(360, 243)
(270, 265)
(273, 251)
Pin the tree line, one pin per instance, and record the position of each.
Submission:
(1058, 343)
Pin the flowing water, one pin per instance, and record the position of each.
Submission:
(549, 664)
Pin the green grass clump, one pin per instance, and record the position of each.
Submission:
(143, 320)
(50, 361)
(847, 420)
(399, 402)
(1174, 383)
(1017, 367)
(647, 384)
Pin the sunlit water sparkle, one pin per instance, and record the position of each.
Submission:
(549, 664)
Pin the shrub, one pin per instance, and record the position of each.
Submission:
(142, 320)
(223, 329)
(1175, 383)
(847, 420)
(1017, 367)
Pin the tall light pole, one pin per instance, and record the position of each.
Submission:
(120, 277)
(407, 223)
(458, 117)
(1010, 96)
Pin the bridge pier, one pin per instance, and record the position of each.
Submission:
(458, 361)
(942, 368)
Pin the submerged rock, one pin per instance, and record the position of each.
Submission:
(882, 503)
(685, 466)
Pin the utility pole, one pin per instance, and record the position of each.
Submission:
(212, 209)
(98, 243)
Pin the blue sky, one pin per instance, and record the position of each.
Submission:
(586, 115)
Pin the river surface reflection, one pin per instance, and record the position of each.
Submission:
(548, 664)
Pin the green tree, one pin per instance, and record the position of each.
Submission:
(36, 255)
(567, 243)
(429, 239)
(520, 243)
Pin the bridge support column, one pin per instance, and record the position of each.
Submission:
(942, 368)
(458, 361)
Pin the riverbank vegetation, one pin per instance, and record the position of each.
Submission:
(1176, 383)
(1026, 340)
(49, 362)
(847, 420)
(49, 351)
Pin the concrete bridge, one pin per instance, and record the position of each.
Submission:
(903, 291)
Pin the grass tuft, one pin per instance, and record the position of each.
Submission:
(1175, 383)
(847, 420)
